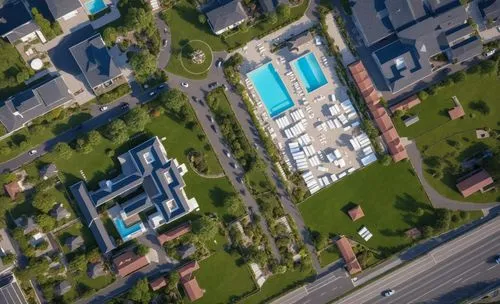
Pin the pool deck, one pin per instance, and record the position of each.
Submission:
(316, 110)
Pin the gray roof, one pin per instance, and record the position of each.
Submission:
(186, 251)
(13, 15)
(59, 8)
(458, 32)
(490, 9)
(48, 171)
(21, 31)
(74, 242)
(25, 106)
(95, 270)
(438, 6)
(94, 61)
(466, 49)
(404, 12)
(267, 6)
(92, 219)
(59, 212)
(10, 292)
(372, 19)
(63, 287)
(299, 40)
(226, 15)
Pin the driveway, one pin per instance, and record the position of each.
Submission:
(164, 55)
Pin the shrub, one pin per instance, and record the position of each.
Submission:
(114, 94)
(422, 95)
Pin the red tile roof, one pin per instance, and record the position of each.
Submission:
(192, 289)
(174, 233)
(188, 269)
(357, 67)
(384, 123)
(13, 189)
(406, 104)
(129, 262)
(390, 135)
(474, 183)
(158, 283)
(456, 112)
(348, 255)
(356, 213)
(371, 97)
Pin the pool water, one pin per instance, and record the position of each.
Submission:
(271, 89)
(124, 231)
(95, 6)
(309, 72)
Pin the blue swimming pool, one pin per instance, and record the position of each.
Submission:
(309, 72)
(124, 231)
(271, 89)
(95, 6)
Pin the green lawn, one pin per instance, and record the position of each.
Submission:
(223, 276)
(329, 255)
(186, 63)
(435, 131)
(76, 229)
(13, 71)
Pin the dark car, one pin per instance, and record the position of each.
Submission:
(213, 128)
(124, 106)
(213, 85)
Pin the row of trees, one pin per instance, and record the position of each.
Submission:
(49, 30)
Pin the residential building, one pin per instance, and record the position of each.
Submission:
(406, 104)
(186, 251)
(490, 10)
(20, 109)
(74, 242)
(475, 182)
(129, 262)
(17, 23)
(149, 181)
(192, 288)
(59, 212)
(405, 35)
(226, 17)
(63, 10)
(174, 233)
(158, 283)
(97, 65)
(13, 188)
(356, 213)
(345, 248)
(188, 269)
(48, 171)
(10, 291)
(96, 270)
(62, 288)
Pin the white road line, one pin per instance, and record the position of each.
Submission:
(322, 294)
(316, 287)
(491, 267)
(471, 277)
(296, 297)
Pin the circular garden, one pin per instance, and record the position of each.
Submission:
(196, 57)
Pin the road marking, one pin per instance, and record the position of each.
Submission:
(319, 286)
(432, 256)
(471, 277)
(322, 294)
(491, 267)
(459, 279)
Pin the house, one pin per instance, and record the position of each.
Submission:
(20, 109)
(186, 251)
(158, 283)
(474, 183)
(10, 291)
(17, 23)
(490, 10)
(12, 189)
(129, 262)
(63, 10)
(74, 242)
(48, 171)
(192, 288)
(27, 224)
(62, 288)
(405, 35)
(226, 17)
(97, 65)
(96, 270)
(356, 213)
(406, 104)
(60, 213)
(174, 233)
(456, 112)
(345, 248)
(188, 269)
(149, 181)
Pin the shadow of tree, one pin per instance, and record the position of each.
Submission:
(219, 196)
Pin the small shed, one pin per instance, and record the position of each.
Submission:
(95, 270)
(186, 251)
(356, 213)
(413, 233)
(158, 283)
(48, 171)
(63, 287)
(74, 242)
(12, 189)
(411, 120)
(59, 212)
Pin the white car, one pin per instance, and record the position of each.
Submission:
(152, 93)
(33, 152)
(185, 84)
(227, 154)
(234, 165)
(211, 119)
(102, 109)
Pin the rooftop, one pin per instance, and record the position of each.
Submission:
(356, 213)
(174, 233)
(372, 17)
(193, 290)
(10, 292)
(226, 15)
(188, 269)
(158, 283)
(474, 183)
(13, 14)
(129, 262)
(59, 8)
(348, 255)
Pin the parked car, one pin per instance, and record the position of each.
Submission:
(234, 165)
(219, 62)
(388, 292)
(185, 84)
(124, 106)
(224, 87)
(161, 86)
(227, 153)
(32, 152)
(165, 42)
(210, 118)
(213, 85)
(152, 93)
(213, 128)
(103, 108)
(490, 53)
(497, 259)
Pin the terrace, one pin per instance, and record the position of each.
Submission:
(306, 111)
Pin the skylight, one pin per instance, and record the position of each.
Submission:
(168, 177)
(400, 63)
(172, 205)
(148, 157)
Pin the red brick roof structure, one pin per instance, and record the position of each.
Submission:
(406, 104)
(188, 269)
(192, 289)
(129, 262)
(390, 135)
(356, 213)
(158, 283)
(12, 189)
(384, 123)
(456, 112)
(474, 183)
(348, 255)
(174, 233)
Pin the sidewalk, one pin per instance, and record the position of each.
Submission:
(333, 31)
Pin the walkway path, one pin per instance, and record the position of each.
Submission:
(333, 31)
(437, 200)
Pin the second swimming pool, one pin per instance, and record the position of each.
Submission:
(271, 89)
(95, 6)
(124, 231)
(309, 72)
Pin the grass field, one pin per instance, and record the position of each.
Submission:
(435, 133)
(329, 255)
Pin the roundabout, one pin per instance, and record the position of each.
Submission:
(196, 57)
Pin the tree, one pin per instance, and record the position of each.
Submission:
(319, 239)
(83, 146)
(202, 18)
(43, 201)
(6, 178)
(386, 160)
(94, 138)
(137, 119)
(173, 280)
(140, 292)
(283, 11)
(141, 250)
(458, 76)
(9, 258)
(443, 219)
(109, 35)
(480, 106)
(487, 67)
(63, 150)
(234, 204)
(422, 95)
(94, 256)
(173, 100)
(46, 222)
(272, 18)
(78, 263)
(205, 227)
(116, 131)
(144, 65)
(243, 27)
(427, 232)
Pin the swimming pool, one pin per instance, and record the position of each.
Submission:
(124, 231)
(309, 72)
(271, 89)
(95, 6)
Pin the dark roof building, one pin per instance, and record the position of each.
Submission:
(226, 17)
(61, 8)
(96, 270)
(74, 242)
(410, 32)
(95, 62)
(48, 171)
(62, 288)
(474, 183)
(30, 104)
(16, 21)
(59, 212)
(10, 292)
(490, 10)
(153, 182)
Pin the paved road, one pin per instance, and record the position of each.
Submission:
(164, 55)
(437, 199)
(448, 274)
